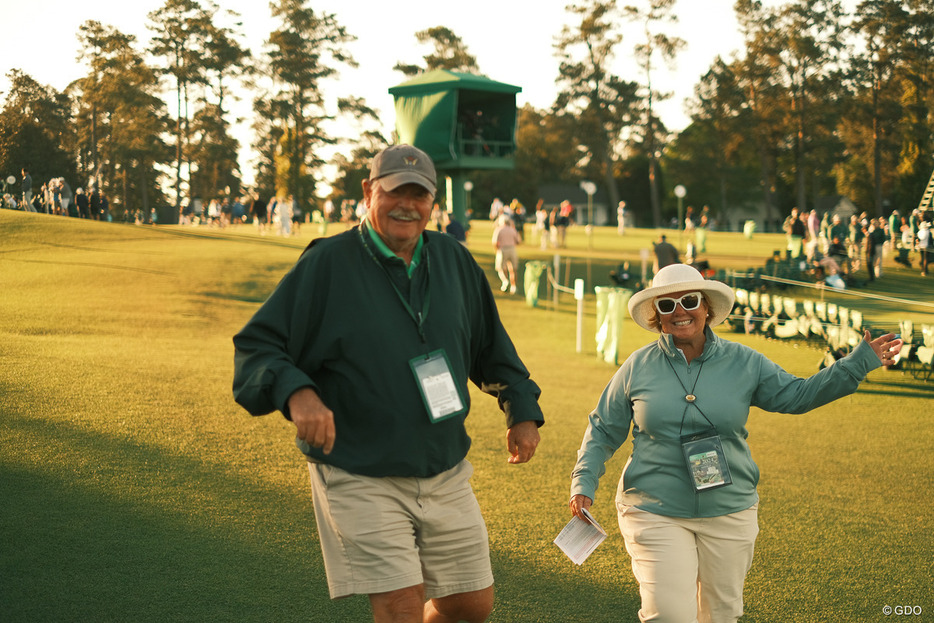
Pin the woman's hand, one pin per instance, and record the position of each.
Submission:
(885, 346)
(578, 503)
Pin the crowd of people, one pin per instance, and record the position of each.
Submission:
(55, 197)
(837, 250)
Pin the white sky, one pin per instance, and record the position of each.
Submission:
(512, 40)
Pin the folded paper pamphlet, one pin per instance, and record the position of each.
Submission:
(580, 538)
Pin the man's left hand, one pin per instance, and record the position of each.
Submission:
(521, 440)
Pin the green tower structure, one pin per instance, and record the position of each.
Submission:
(463, 121)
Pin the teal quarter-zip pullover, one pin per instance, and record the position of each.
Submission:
(646, 399)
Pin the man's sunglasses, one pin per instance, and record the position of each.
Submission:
(689, 302)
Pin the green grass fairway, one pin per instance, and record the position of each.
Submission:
(133, 488)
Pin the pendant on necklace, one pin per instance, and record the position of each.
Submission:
(690, 397)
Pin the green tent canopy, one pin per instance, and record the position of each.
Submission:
(461, 120)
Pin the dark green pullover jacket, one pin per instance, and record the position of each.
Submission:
(337, 323)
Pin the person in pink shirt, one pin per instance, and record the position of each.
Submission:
(505, 241)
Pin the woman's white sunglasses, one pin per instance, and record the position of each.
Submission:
(689, 302)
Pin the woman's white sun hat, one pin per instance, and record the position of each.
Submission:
(681, 278)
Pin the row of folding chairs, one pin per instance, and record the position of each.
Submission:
(786, 317)
(917, 354)
(821, 322)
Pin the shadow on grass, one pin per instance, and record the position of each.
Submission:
(111, 529)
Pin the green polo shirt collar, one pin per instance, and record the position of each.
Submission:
(387, 252)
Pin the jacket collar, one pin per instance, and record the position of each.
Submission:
(376, 244)
(667, 344)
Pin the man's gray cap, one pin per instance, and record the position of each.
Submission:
(404, 164)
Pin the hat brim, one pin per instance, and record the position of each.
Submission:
(719, 294)
(393, 181)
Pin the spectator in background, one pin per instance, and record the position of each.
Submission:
(94, 199)
(855, 236)
(258, 212)
(66, 196)
(797, 231)
(837, 251)
(923, 242)
(283, 216)
(542, 224)
(875, 244)
(105, 208)
(837, 229)
(27, 191)
(505, 241)
(55, 198)
(895, 227)
(813, 225)
(518, 217)
(562, 222)
(83, 204)
(453, 228)
(496, 208)
(665, 254)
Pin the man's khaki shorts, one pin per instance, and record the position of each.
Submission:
(384, 534)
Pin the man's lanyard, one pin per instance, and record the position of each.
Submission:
(432, 372)
(417, 317)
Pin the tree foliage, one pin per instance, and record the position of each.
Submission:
(35, 131)
(655, 43)
(120, 120)
(816, 103)
(600, 102)
(180, 30)
(832, 105)
(448, 52)
(305, 51)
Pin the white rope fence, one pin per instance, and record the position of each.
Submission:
(814, 286)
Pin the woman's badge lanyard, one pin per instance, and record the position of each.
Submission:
(432, 371)
(703, 453)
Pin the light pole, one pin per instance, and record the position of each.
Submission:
(590, 188)
(680, 192)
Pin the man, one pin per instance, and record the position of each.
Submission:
(83, 203)
(366, 346)
(66, 196)
(506, 240)
(95, 201)
(875, 243)
(895, 227)
(27, 191)
(258, 212)
(665, 253)
(797, 230)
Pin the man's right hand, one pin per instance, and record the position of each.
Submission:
(314, 422)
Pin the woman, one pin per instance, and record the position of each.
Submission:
(687, 500)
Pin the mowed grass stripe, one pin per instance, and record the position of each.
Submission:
(134, 488)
